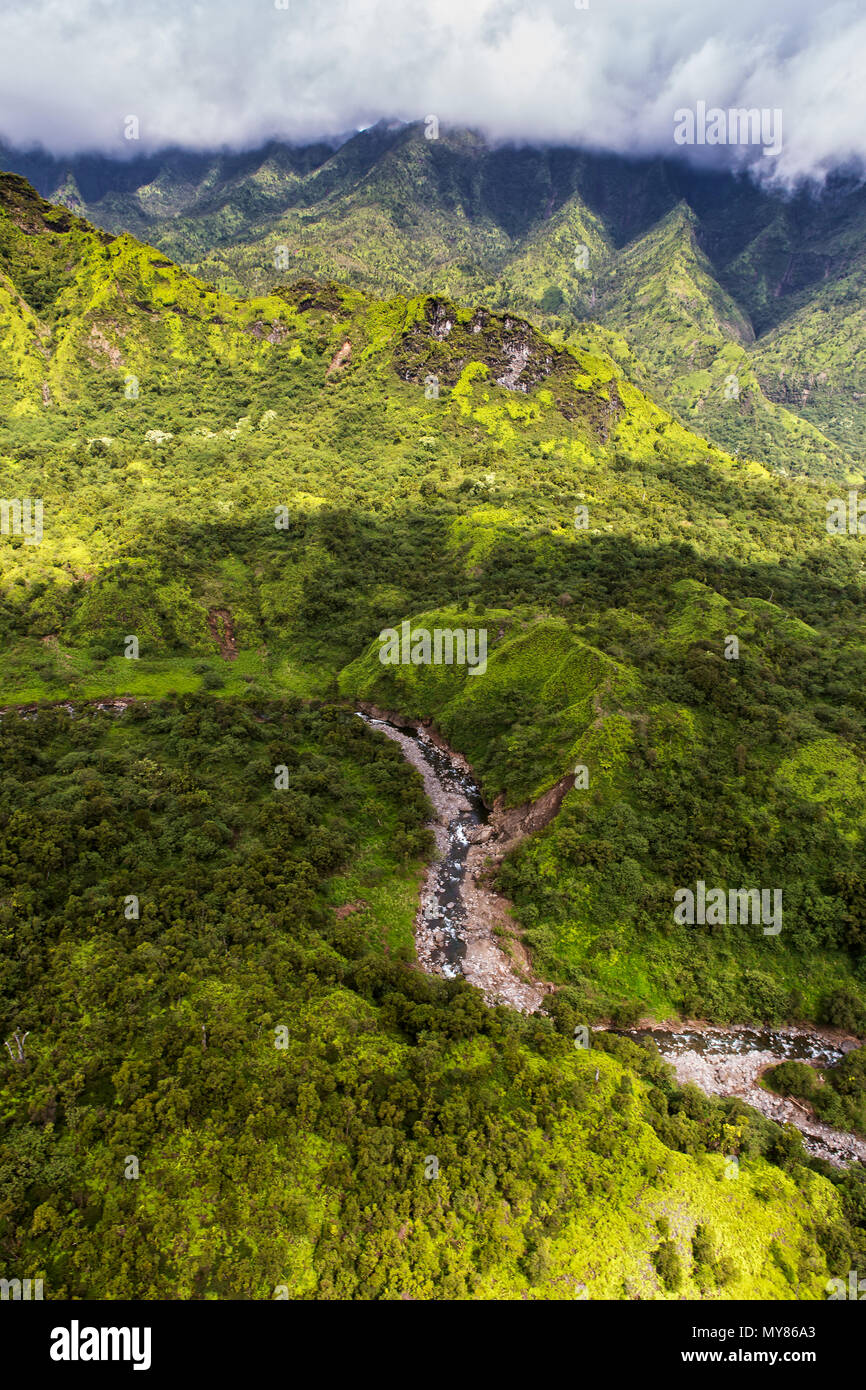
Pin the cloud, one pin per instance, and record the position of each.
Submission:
(234, 73)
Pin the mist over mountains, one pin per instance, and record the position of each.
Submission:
(603, 74)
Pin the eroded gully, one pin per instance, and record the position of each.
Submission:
(462, 926)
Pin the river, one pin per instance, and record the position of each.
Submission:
(463, 928)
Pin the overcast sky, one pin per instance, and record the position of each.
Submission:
(211, 73)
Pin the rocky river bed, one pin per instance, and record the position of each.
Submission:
(463, 927)
(731, 1061)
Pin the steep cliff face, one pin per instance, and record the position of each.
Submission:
(445, 339)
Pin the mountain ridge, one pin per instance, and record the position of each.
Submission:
(392, 212)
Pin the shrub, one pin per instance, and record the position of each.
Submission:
(842, 1009)
(626, 1015)
(702, 1246)
(551, 300)
(668, 1265)
(792, 1079)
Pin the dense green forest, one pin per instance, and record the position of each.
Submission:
(837, 1093)
(252, 490)
(316, 504)
(228, 1090)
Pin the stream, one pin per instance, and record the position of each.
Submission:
(783, 1043)
(730, 1061)
(442, 914)
(463, 928)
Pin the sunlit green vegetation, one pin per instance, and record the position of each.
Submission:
(222, 481)
(229, 1089)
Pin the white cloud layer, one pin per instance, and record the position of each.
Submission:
(206, 74)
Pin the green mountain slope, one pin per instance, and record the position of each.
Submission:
(707, 277)
(253, 490)
(814, 362)
(320, 466)
(237, 1093)
(662, 296)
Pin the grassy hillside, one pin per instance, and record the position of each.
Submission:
(288, 469)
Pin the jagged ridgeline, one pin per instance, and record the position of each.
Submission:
(254, 490)
(739, 306)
